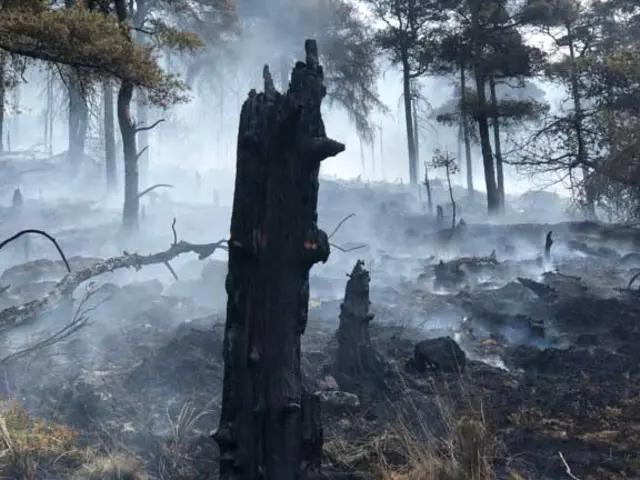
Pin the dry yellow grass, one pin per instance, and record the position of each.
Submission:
(29, 445)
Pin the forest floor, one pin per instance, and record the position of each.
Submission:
(551, 387)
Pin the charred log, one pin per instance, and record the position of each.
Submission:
(548, 242)
(275, 240)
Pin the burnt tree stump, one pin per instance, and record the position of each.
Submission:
(269, 427)
(356, 358)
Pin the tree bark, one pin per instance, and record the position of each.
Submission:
(407, 94)
(264, 430)
(496, 141)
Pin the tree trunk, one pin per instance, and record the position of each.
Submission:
(130, 210)
(465, 129)
(590, 193)
(406, 90)
(109, 136)
(427, 185)
(274, 243)
(493, 198)
(496, 141)
(141, 13)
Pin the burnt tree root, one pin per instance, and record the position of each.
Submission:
(269, 427)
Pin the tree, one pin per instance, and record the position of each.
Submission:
(269, 426)
(444, 159)
(484, 38)
(406, 37)
(572, 26)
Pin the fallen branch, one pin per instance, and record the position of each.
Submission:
(153, 187)
(44, 234)
(18, 315)
(79, 321)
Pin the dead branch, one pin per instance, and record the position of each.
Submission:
(357, 247)
(150, 127)
(340, 223)
(153, 187)
(79, 321)
(44, 234)
(17, 315)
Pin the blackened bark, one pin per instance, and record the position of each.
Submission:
(109, 135)
(265, 429)
(356, 357)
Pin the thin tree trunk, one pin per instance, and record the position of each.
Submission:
(130, 211)
(269, 426)
(496, 140)
(465, 129)
(406, 90)
(493, 197)
(50, 112)
(416, 134)
(109, 136)
(131, 207)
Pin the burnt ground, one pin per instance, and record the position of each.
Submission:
(552, 347)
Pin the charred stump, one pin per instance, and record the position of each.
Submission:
(356, 358)
(269, 427)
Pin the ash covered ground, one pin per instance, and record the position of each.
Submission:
(546, 384)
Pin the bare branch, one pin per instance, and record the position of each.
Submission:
(567, 469)
(150, 127)
(44, 234)
(335, 230)
(79, 321)
(351, 249)
(153, 187)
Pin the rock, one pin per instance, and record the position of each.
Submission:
(328, 383)
(442, 354)
(338, 401)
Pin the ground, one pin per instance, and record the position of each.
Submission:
(551, 387)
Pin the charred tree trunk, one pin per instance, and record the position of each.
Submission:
(266, 429)
(356, 357)
(496, 141)
(493, 197)
(109, 136)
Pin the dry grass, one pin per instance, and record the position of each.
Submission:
(32, 447)
(443, 441)
(29, 446)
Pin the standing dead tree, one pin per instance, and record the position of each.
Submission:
(269, 425)
(356, 359)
